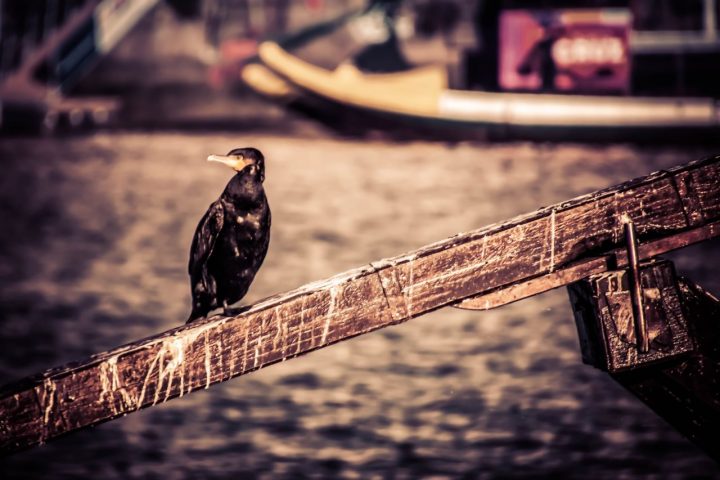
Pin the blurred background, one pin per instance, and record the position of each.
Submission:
(386, 125)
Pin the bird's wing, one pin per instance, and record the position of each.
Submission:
(205, 236)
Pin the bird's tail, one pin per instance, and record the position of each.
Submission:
(194, 315)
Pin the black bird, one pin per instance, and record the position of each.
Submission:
(232, 237)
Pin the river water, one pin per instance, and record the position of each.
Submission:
(93, 250)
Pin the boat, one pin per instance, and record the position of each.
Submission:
(421, 98)
(359, 42)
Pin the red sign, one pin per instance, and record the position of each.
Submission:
(565, 50)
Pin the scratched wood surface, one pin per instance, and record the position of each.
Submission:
(502, 262)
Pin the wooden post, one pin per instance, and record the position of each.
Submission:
(481, 269)
(606, 319)
(679, 377)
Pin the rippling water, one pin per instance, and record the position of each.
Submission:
(93, 250)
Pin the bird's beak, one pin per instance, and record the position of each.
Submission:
(236, 162)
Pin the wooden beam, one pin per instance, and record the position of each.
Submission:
(668, 207)
(585, 268)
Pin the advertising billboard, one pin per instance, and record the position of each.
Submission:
(565, 50)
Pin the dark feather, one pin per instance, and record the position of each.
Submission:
(204, 285)
(205, 237)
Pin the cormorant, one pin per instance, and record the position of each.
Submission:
(232, 237)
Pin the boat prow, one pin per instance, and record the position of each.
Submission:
(421, 95)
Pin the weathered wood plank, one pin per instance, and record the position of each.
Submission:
(584, 268)
(555, 241)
